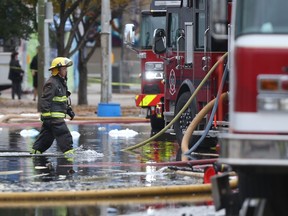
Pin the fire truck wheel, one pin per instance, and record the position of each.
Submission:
(186, 117)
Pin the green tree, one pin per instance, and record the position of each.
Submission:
(17, 21)
(84, 16)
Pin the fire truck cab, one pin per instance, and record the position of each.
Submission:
(152, 67)
(189, 51)
(256, 142)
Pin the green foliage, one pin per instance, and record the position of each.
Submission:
(85, 19)
(16, 19)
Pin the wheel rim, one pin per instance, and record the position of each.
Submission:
(185, 119)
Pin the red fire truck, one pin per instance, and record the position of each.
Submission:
(151, 75)
(189, 51)
(256, 143)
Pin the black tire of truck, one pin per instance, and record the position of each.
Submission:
(186, 117)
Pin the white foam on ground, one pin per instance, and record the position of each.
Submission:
(101, 128)
(127, 133)
(29, 133)
(86, 154)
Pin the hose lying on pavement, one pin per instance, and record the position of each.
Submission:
(197, 119)
(181, 111)
(74, 203)
(158, 164)
(117, 192)
(208, 126)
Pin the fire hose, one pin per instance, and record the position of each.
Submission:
(110, 193)
(193, 125)
(181, 111)
(203, 112)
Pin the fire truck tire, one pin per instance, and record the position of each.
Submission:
(187, 116)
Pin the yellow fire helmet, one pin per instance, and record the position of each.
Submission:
(59, 62)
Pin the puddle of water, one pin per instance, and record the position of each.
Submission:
(95, 144)
(167, 207)
(98, 163)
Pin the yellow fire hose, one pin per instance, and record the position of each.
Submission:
(181, 111)
(190, 173)
(195, 122)
(186, 198)
(110, 193)
(197, 174)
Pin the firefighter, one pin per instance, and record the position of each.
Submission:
(54, 105)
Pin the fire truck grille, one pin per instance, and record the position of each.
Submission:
(151, 89)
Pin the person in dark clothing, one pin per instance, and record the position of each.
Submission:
(34, 70)
(15, 75)
(54, 105)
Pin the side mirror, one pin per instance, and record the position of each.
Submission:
(159, 41)
(219, 19)
(129, 34)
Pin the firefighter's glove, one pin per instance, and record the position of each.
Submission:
(70, 113)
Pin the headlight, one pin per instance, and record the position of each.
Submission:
(153, 75)
(153, 70)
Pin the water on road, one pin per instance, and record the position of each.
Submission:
(99, 163)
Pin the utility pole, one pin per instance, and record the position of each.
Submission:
(41, 59)
(45, 16)
(106, 91)
(48, 19)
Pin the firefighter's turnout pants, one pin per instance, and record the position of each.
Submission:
(54, 128)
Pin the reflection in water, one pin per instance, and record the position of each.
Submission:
(93, 138)
(159, 151)
(96, 165)
(46, 171)
(55, 211)
(142, 206)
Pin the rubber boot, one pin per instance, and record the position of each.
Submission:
(69, 155)
(33, 151)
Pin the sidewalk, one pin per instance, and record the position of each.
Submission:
(126, 101)
(94, 96)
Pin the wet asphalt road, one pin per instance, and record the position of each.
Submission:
(98, 164)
